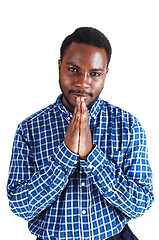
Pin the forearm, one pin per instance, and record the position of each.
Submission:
(30, 194)
(31, 197)
(130, 196)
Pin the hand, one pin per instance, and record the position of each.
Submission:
(78, 136)
(85, 138)
(72, 134)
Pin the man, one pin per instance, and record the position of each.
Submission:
(79, 168)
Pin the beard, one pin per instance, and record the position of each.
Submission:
(64, 96)
(72, 106)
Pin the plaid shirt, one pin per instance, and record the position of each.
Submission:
(65, 197)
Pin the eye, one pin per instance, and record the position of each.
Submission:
(71, 69)
(94, 74)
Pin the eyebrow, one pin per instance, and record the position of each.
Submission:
(96, 69)
(72, 64)
(91, 70)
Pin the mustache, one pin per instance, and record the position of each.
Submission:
(82, 92)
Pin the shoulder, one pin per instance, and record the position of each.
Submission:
(37, 117)
(118, 115)
(125, 124)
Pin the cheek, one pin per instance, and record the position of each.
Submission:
(65, 82)
(97, 87)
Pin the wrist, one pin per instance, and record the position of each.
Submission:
(84, 157)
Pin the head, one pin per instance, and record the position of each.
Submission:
(83, 65)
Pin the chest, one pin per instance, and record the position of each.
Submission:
(108, 133)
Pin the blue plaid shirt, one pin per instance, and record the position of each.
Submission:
(65, 197)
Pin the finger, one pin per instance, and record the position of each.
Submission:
(75, 122)
(76, 109)
(77, 100)
(82, 119)
(78, 104)
(76, 117)
(82, 106)
(85, 112)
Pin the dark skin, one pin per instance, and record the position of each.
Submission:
(82, 75)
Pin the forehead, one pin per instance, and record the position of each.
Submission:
(84, 54)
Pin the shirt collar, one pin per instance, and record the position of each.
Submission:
(65, 113)
(93, 111)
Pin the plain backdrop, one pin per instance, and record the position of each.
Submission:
(31, 33)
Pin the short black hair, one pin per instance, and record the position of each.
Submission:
(90, 36)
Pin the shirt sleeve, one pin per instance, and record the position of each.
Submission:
(125, 181)
(30, 190)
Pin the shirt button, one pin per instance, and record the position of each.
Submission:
(68, 118)
(75, 162)
(83, 211)
(90, 166)
(83, 184)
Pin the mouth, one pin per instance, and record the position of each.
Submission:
(80, 93)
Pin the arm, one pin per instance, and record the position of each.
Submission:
(126, 186)
(30, 190)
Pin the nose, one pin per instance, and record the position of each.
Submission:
(83, 80)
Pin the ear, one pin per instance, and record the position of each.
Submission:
(59, 64)
(107, 70)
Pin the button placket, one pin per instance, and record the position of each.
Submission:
(90, 166)
(75, 162)
(83, 184)
(83, 212)
(82, 192)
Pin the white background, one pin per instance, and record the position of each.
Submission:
(31, 35)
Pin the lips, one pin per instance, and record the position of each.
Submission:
(80, 93)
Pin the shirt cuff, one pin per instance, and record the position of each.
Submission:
(67, 159)
(95, 162)
(100, 171)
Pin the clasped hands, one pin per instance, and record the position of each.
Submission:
(78, 136)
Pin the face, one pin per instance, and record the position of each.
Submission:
(82, 73)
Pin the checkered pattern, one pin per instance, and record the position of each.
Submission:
(65, 197)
